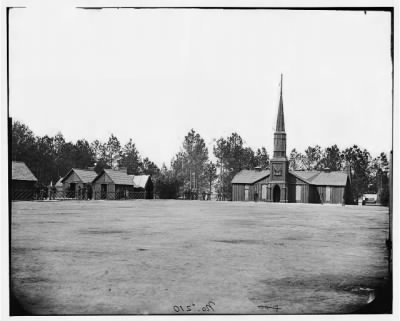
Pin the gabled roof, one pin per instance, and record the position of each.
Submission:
(140, 181)
(247, 176)
(330, 178)
(306, 176)
(21, 172)
(336, 178)
(85, 175)
(119, 177)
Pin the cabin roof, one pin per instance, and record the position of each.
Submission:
(122, 178)
(85, 175)
(337, 178)
(119, 177)
(306, 176)
(21, 172)
(248, 176)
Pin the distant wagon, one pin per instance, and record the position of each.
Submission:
(23, 182)
(78, 183)
(369, 199)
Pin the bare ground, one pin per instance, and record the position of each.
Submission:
(162, 257)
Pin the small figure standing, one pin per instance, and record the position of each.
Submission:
(54, 191)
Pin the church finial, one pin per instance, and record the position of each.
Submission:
(280, 122)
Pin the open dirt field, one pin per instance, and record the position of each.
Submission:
(162, 257)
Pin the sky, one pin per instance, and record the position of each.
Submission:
(152, 75)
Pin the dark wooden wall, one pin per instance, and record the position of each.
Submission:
(22, 190)
(238, 192)
(258, 188)
(255, 191)
(307, 193)
(336, 194)
(295, 185)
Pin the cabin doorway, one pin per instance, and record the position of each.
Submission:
(72, 190)
(277, 194)
(103, 195)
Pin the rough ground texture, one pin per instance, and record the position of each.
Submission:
(153, 256)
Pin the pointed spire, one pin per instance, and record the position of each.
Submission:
(280, 121)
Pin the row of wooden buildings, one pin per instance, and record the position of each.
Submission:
(82, 184)
(108, 184)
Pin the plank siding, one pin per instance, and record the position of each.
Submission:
(238, 192)
(336, 197)
(308, 193)
(313, 195)
(304, 190)
(255, 191)
(73, 178)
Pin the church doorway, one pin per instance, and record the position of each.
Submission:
(277, 194)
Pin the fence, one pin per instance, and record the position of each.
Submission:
(204, 196)
(24, 195)
(31, 195)
(122, 195)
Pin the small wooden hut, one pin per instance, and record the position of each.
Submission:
(23, 182)
(247, 185)
(78, 183)
(113, 184)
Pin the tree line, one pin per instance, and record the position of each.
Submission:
(50, 158)
(191, 170)
(365, 169)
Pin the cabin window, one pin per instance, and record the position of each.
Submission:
(298, 192)
(328, 194)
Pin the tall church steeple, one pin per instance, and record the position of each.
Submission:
(278, 187)
(280, 122)
(280, 135)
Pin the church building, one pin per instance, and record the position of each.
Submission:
(279, 184)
